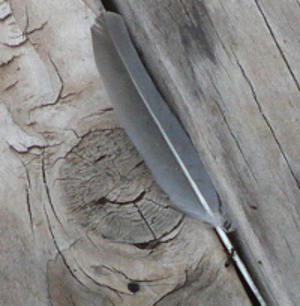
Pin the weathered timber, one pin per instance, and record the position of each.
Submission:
(82, 221)
(230, 70)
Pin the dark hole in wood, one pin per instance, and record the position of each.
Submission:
(133, 287)
(109, 5)
(147, 245)
(101, 201)
(228, 262)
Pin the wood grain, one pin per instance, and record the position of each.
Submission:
(231, 72)
(82, 221)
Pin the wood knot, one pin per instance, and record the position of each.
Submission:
(109, 190)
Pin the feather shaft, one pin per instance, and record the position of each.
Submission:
(155, 131)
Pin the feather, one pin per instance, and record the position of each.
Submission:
(155, 131)
(151, 126)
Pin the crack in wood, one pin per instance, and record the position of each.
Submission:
(44, 177)
(104, 200)
(29, 210)
(11, 86)
(116, 190)
(40, 28)
(101, 285)
(232, 133)
(60, 252)
(5, 10)
(269, 125)
(9, 61)
(277, 44)
(146, 221)
(187, 282)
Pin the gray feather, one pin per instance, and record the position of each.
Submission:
(151, 126)
(155, 131)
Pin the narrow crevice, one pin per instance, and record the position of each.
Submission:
(105, 200)
(29, 210)
(146, 221)
(91, 240)
(61, 89)
(7, 15)
(74, 132)
(107, 109)
(71, 94)
(9, 61)
(101, 285)
(81, 138)
(17, 45)
(11, 86)
(141, 163)
(113, 270)
(100, 158)
(86, 161)
(243, 185)
(110, 6)
(149, 245)
(188, 282)
(25, 31)
(154, 243)
(99, 113)
(48, 193)
(268, 124)
(177, 288)
(232, 134)
(60, 252)
(41, 27)
(277, 44)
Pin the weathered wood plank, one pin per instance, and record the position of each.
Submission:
(231, 71)
(74, 229)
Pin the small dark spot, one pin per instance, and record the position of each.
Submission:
(142, 245)
(259, 262)
(133, 287)
(100, 158)
(109, 5)
(228, 262)
(101, 201)
(253, 207)
(147, 245)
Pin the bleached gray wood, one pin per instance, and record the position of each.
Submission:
(80, 215)
(230, 69)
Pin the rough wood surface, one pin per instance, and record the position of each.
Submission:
(231, 71)
(82, 221)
